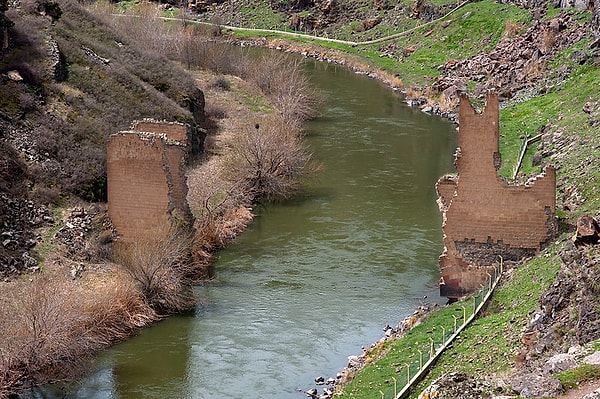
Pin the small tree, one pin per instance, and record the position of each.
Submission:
(159, 262)
(269, 158)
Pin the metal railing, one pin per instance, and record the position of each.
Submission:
(412, 372)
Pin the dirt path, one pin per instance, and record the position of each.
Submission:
(581, 391)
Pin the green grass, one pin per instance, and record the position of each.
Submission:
(488, 345)
(571, 379)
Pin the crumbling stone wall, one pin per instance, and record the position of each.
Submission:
(485, 217)
(146, 177)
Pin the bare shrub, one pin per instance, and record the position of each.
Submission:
(215, 111)
(44, 339)
(221, 83)
(282, 79)
(511, 29)
(159, 262)
(269, 158)
(116, 311)
(51, 327)
(212, 198)
(549, 38)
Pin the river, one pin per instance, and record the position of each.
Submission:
(312, 280)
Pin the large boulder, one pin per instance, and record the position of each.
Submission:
(588, 231)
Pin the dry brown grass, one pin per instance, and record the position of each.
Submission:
(549, 38)
(412, 92)
(52, 325)
(511, 29)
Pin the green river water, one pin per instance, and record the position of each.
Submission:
(312, 280)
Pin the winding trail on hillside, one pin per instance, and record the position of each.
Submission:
(321, 38)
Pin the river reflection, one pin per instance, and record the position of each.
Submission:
(312, 280)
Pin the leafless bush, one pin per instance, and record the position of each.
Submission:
(54, 326)
(141, 23)
(213, 197)
(116, 312)
(221, 83)
(44, 339)
(549, 38)
(511, 29)
(269, 158)
(160, 264)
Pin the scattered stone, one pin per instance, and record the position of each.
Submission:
(558, 363)
(455, 386)
(445, 24)
(536, 386)
(320, 380)
(14, 75)
(593, 395)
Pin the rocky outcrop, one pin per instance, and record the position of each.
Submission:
(18, 219)
(588, 231)
(516, 62)
(567, 316)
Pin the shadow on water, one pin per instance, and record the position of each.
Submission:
(313, 279)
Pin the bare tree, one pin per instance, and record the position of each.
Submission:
(269, 157)
(160, 263)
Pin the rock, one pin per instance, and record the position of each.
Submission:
(558, 363)
(593, 395)
(354, 361)
(536, 386)
(14, 75)
(320, 380)
(454, 386)
(594, 359)
(445, 24)
(312, 393)
(588, 231)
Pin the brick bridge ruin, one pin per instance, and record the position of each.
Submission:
(484, 216)
(146, 169)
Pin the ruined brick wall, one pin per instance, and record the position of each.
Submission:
(483, 216)
(146, 177)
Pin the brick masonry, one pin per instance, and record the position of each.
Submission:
(485, 217)
(146, 169)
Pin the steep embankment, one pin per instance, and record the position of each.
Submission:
(543, 61)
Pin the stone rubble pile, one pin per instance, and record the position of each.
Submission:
(516, 62)
(18, 219)
(84, 233)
